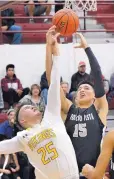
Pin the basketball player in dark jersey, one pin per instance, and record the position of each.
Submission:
(103, 160)
(84, 123)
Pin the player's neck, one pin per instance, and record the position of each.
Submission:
(87, 105)
(32, 125)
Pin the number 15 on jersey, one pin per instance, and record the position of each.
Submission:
(80, 130)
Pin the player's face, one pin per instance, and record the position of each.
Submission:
(35, 91)
(30, 114)
(85, 94)
(10, 72)
(65, 87)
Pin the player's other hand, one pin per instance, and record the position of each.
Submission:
(13, 170)
(83, 42)
(87, 171)
(51, 36)
(6, 171)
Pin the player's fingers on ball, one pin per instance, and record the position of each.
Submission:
(78, 45)
(50, 32)
(57, 35)
(78, 34)
(50, 29)
(53, 27)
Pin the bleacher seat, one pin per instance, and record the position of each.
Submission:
(35, 26)
(103, 20)
(3, 117)
(104, 10)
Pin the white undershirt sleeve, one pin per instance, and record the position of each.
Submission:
(10, 146)
(53, 100)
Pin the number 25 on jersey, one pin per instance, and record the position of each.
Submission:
(45, 151)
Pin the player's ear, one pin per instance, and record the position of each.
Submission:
(22, 121)
(94, 99)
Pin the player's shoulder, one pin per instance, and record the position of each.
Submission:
(24, 132)
(72, 108)
(110, 135)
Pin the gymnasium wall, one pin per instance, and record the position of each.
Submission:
(29, 60)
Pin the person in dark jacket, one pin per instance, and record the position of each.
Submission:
(12, 87)
(9, 24)
(80, 76)
(44, 87)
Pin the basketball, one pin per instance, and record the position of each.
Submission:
(66, 21)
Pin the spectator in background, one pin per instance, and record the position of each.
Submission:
(9, 24)
(44, 87)
(110, 93)
(9, 166)
(112, 81)
(1, 100)
(37, 10)
(34, 98)
(12, 168)
(80, 76)
(12, 87)
(6, 128)
(26, 169)
(106, 85)
(59, 7)
(65, 87)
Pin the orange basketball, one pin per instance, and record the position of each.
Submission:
(66, 21)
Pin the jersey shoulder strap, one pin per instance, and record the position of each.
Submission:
(72, 110)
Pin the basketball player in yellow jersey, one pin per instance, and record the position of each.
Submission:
(103, 160)
(45, 142)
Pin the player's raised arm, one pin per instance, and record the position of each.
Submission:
(52, 72)
(101, 102)
(103, 160)
(53, 102)
(10, 146)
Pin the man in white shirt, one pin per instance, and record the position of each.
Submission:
(45, 141)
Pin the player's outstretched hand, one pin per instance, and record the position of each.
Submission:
(51, 36)
(87, 171)
(83, 42)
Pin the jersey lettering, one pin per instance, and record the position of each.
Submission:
(45, 151)
(80, 130)
(79, 118)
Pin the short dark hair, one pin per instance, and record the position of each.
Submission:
(86, 82)
(10, 66)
